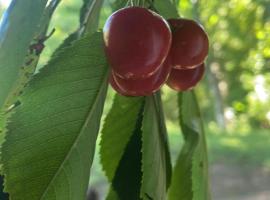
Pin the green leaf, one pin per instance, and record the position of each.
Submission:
(90, 13)
(118, 128)
(27, 69)
(66, 43)
(159, 106)
(31, 59)
(126, 183)
(83, 11)
(166, 8)
(51, 138)
(46, 17)
(190, 176)
(155, 166)
(17, 28)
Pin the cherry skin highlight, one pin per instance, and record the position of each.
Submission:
(143, 87)
(185, 79)
(190, 43)
(116, 87)
(137, 42)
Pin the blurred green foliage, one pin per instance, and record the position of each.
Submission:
(239, 32)
(248, 148)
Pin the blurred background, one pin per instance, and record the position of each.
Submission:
(234, 96)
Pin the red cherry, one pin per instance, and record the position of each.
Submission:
(190, 43)
(185, 79)
(116, 87)
(143, 87)
(137, 42)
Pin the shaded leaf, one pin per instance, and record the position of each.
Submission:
(31, 58)
(162, 120)
(126, 183)
(27, 69)
(154, 153)
(83, 11)
(118, 128)
(51, 138)
(190, 176)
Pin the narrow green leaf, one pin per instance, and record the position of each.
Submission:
(90, 13)
(126, 183)
(83, 11)
(32, 57)
(27, 69)
(17, 28)
(154, 153)
(190, 176)
(162, 124)
(118, 128)
(47, 15)
(51, 138)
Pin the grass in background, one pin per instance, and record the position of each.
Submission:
(245, 148)
(251, 148)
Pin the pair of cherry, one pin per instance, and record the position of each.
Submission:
(145, 51)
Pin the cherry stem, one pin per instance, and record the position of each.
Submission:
(139, 3)
(129, 3)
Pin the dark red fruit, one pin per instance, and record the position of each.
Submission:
(116, 87)
(137, 42)
(143, 87)
(190, 43)
(185, 79)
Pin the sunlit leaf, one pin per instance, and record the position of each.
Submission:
(17, 28)
(190, 175)
(51, 138)
(28, 67)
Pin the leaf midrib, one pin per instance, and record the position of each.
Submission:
(92, 108)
